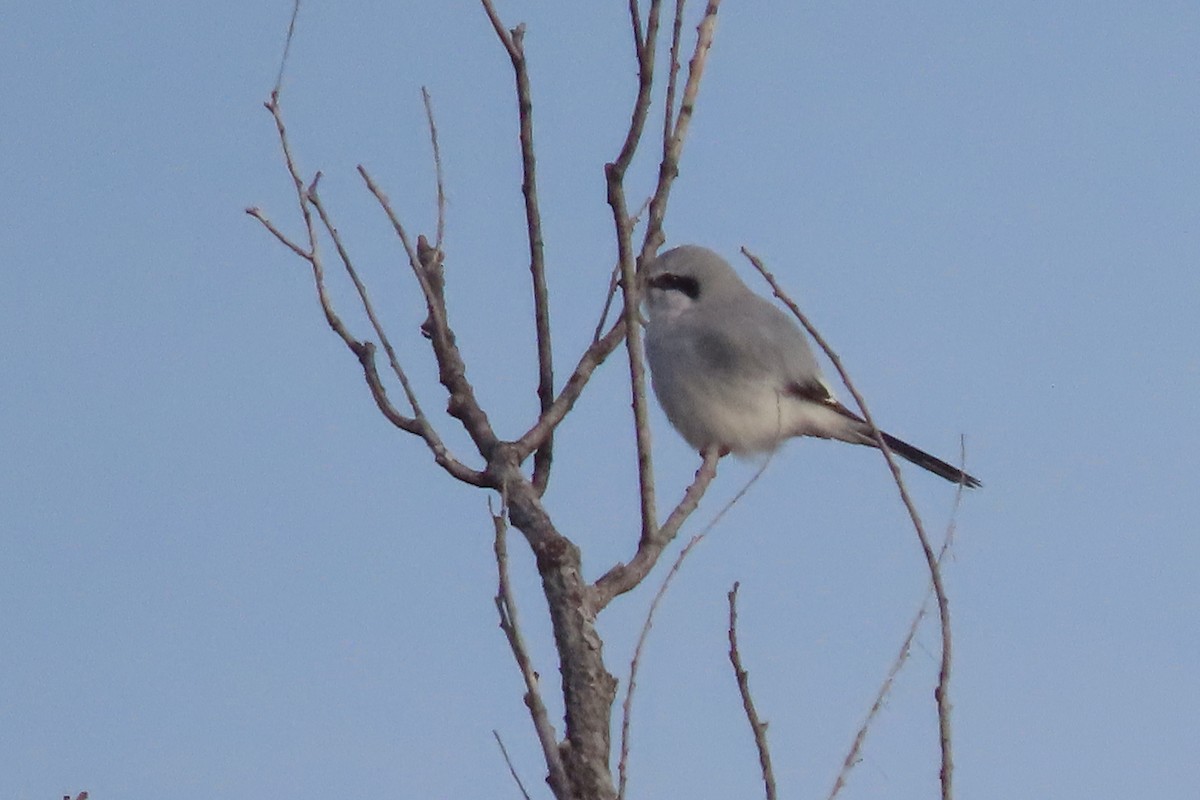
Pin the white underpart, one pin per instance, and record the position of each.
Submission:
(756, 418)
(665, 305)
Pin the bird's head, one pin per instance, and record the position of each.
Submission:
(687, 276)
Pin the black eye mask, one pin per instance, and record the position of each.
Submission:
(679, 283)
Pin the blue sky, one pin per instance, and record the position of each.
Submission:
(222, 574)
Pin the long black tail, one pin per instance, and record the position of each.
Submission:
(860, 433)
(931, 463)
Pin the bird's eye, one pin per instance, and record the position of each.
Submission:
(668, 281)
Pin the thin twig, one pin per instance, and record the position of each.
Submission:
(691, 498)
(513, 41)
(672, 77)
(414, 262)
(419, 424)
(614, 280)
(507, 608)
(261, 216)
(635, 662)
(600, 350)
(593, 357)
(511, 769)
(505, 36)
(635, 19)
(615, 180)
(668, 169)
(644, 48)
(853, 756)
(308, 199)
(743, 681)
(673, 149)
(637, 368)
(365, 299)
(623, 577)
(942, 692)
(313, 254)
(615, 177)
(437, 169)
(425, 262)
(287, 47)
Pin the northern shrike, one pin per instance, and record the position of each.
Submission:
(732, 370)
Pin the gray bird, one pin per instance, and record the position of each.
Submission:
(731, 369)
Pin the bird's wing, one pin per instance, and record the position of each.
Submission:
(817, 391)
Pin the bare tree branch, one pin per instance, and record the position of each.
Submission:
(587, 686)
(743, 681)
(673, 146)
(364, 297)
(511, 769)
(364, 351)
(603, 347)
(614, 281)
(287, 47)
(615, 178)
(426, 264)
(635, 663)
(672, 76)
(261, 216)
(942, 692)
(615, 174)
(437, 169)
(578, 766)
(506, 606)
(853, 756)
(414, 262)
(420, 425)
(637, 367)
(593, 357)
(624, 577)
(644, 49)
(627, 706)
(513, 42)
(313, 254)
